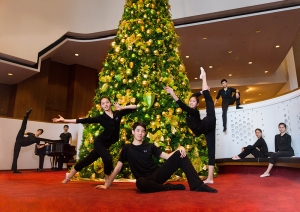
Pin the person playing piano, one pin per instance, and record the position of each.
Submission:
(110, 120)
(67, 139)
(22, 141)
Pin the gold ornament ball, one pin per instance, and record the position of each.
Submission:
(158, 117)
(156, 52)
(152, 6)
(122, 60)
(188, 147)
(123, 138)
(130, 81)
(156, 105)
(150, 41)
(112, 74)
(142, 28)
(127, 142)
(125, 81)
(112, 44)
(168, 149)
(147, 50)
(145, 16)
(145, 83)
(183, 83)
(145, 76)
(131, 64)
(179, 110)
(117, 49)
(149, 31)
(122, 40)
(168, 140)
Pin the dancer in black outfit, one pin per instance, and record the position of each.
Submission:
(259, 149)
(22, 141)
(283, 148)
(206, 126)
(67, 138)
(229, 96)
(110, 120)
(150, 177)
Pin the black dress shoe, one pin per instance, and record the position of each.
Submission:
(40, 170)
(28, 111)
(17, 172)
(238, 107)
(224, 130)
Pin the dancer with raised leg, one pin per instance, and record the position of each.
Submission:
(22, 141)
(149, 176)
(206, 126)
(110, 120)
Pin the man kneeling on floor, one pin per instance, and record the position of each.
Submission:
(149, 176)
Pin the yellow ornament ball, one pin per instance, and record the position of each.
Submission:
(145, 83)
(132, 100)
(131, 64)
(112, 74)
(122, 60)
(122, 40)
(158, 117)
(147, 50)
(130, 81)
(156, 52)
(117, 49)
(125, 81)
(112, 44)
(156, 105)
(179, 110)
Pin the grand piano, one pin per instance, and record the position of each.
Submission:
(57, 149)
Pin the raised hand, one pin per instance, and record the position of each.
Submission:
(182, 151)
(58, 119)
(168, 89)
(117, 106)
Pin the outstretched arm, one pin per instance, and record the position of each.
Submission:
(118, 107)
(181, 149)
(171, 92)
(111, 178)
(62, 119)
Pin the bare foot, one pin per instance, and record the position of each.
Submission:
(67, 179)
(236, 158)
(202, 72)
(208, 181)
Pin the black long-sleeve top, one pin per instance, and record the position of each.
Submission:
(283, 143)
(261, 145)
(193, 118)
(111, 125)
(32, 139)
(226, 95)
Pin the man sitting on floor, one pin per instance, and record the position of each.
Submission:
(149, 176)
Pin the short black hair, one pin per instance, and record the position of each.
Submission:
(41, 130)
(258, 130)
(139, 123)
(223, 80)
(66, 126)
(282, 124)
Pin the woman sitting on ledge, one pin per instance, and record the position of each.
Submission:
(259, 149)
(283, 148)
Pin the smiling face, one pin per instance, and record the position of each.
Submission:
(281, 128)
(193, 103)
(139, 133)
(105, 104)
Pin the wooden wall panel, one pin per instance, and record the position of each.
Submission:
(5, 91)
(57, 89)
(85, 83)
(296, 49)
(31, 93)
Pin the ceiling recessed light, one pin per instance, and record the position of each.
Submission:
(210, 67)
(250, 63)
(266, 71)
(215, 91)
(277, 46)
(202, 99)
(229, 52)
(259, 94)
(9, 74)
(76, 54)
(230, 75)
(204, 38)
(244, 102)
(257, 31)
(196, 78)
(187, 56)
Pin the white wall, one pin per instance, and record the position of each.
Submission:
(27, 159)
(27, 27)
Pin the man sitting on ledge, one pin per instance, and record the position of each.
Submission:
(150, 177)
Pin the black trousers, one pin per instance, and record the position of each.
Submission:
(41, 161)
(255, 152)
(276, 155)
(155, 181)
(18, 143)
(209, 127)
(100, 150)
(225, 105)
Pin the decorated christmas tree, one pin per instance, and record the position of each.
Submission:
(143, 58)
